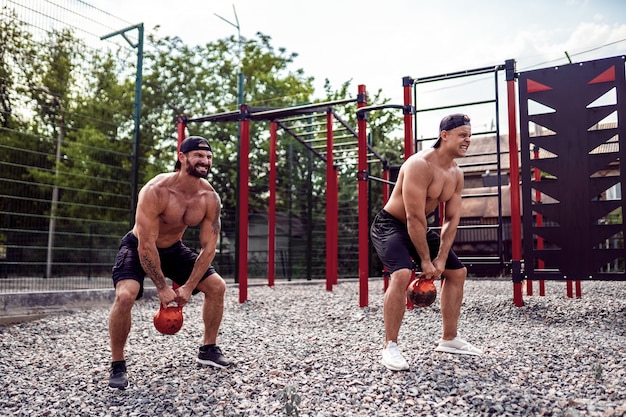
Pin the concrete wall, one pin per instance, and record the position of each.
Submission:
(19, 307)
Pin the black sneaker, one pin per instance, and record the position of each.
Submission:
(212, 355)
(118, 378)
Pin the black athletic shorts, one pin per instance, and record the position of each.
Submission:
(177, 262)
(392, 242)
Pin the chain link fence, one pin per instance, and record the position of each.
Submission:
(66, 168)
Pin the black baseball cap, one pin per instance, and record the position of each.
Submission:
(195, 143)
(451, 122)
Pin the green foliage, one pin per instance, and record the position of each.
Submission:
(58, 93)
(596, 369)
(200, 80)
(290, 399)
(615, 217)
(16, 51)
(20, 148)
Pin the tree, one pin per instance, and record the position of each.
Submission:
(83, 99)
(202, 80)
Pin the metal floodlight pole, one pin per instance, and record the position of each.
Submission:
(239, 106)
(137, 113)
(58, 104)
(240, 75)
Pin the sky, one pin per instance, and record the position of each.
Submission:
(376, 43)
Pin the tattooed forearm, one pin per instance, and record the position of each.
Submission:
(153, 272)
(217, 223)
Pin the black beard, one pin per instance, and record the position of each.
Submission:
(191, 170)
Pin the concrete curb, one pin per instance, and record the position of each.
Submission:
(21, 307)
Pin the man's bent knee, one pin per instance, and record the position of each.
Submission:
(455, 275)
(401, 278)
(126, 293)
(213, 285)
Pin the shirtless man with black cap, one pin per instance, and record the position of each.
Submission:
(167, 205)
(400, 236)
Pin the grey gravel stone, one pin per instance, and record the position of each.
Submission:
(555, 356)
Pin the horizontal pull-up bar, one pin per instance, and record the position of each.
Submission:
(478, 226)
(300, 117)
(453, 106)
(231, 116)
(353, 156)
(451, 75)
(476, 260)
(367, 109)
(477, 164)
(303, 109)
(268, 113)
(351, 164)
(313, 140)
(337, 145)
(339, 137)
(471, 227)
(481, 133)
(325, 132)
(480, 195)
(304, 126)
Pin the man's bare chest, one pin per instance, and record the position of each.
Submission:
(442, 188)
(186, 213)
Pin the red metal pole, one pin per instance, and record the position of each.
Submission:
(516, 217)
(363, 197)
(385, 186)
(181, 127)
(271, 214)
(407, 84)
(409, 146)
(244, 176)
(331, 207)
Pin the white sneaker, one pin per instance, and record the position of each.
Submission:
(392, 358)
(459, 346)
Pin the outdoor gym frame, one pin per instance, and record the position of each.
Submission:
(411, 145)
(579, 151)
(546, 86)
(276, 118)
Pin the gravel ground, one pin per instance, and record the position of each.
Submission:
(553, 357)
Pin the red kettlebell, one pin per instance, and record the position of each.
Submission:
(168, 320)
(422, 292)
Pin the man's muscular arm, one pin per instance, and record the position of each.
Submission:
(417, 178)
(150, 205)
(451, 220)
